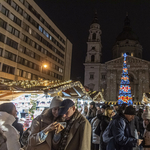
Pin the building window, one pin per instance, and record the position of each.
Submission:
(9, 28)
(17, 8)
(34, 77)
(30, 64)
(24, 74)
(8, 1)
(12, 43)
(29, 76)
(26, 4)
(20, 60)
(11, 16)
(92, 58)
(19, 72)
(37, 57)
(40, 29)
(25, 62)
(3, 24)
(131, 54)
(22, 1)
(1, 51)
(22, 49)
(10, 56)
(94, 36)
(103, 76)
(15, 19)
(91, 76)
(30, 30)
(4, 11)
(2, 37)
(8, 69)
(13, 31)
(14, 5)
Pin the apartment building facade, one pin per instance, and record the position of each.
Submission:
(28, 41)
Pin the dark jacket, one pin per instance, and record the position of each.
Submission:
(91, 113)
(122, 138)
(103, 125)
(18, 126)
(141, 127)
(134, 125)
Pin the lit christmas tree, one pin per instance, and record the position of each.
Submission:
(125, 95)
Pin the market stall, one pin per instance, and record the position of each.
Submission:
(20, 93)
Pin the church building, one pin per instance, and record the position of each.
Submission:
(106, 77)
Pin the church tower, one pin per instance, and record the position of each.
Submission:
(127, 42)
(93, 56)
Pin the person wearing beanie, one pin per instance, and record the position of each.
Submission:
(119, 129)
(42, 126)
(146, 124)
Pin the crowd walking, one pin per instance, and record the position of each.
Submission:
(63, 127)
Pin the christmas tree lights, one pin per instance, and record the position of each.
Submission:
(125, 95)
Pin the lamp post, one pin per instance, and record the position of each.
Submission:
(43, 66)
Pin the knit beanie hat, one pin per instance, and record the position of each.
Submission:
(146, 114)
(130, 110)
(56, 102)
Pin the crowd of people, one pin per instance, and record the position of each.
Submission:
(63, 127)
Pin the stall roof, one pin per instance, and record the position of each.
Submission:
(96, 96)
(12, 89)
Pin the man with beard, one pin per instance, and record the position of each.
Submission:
(77, 133)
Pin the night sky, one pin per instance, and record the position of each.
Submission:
(74, 17)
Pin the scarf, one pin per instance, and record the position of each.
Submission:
(66, 132)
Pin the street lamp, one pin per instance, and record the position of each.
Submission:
(45, 66)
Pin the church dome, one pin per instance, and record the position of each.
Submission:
(127, 32)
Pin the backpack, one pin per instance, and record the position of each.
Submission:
(107, 133)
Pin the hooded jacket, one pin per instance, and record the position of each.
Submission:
(122, 138)
(12, 135)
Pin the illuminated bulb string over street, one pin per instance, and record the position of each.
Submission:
(125, 95)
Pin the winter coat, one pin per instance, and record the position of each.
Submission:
(134, 125)
(39, 124)
(147, 138)
(122, 138)
(79, 135)
(12, 135)
(91, 113)
(3, 144)
(141, 127)
(19, 127)
(94, 123)
(103, 125)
